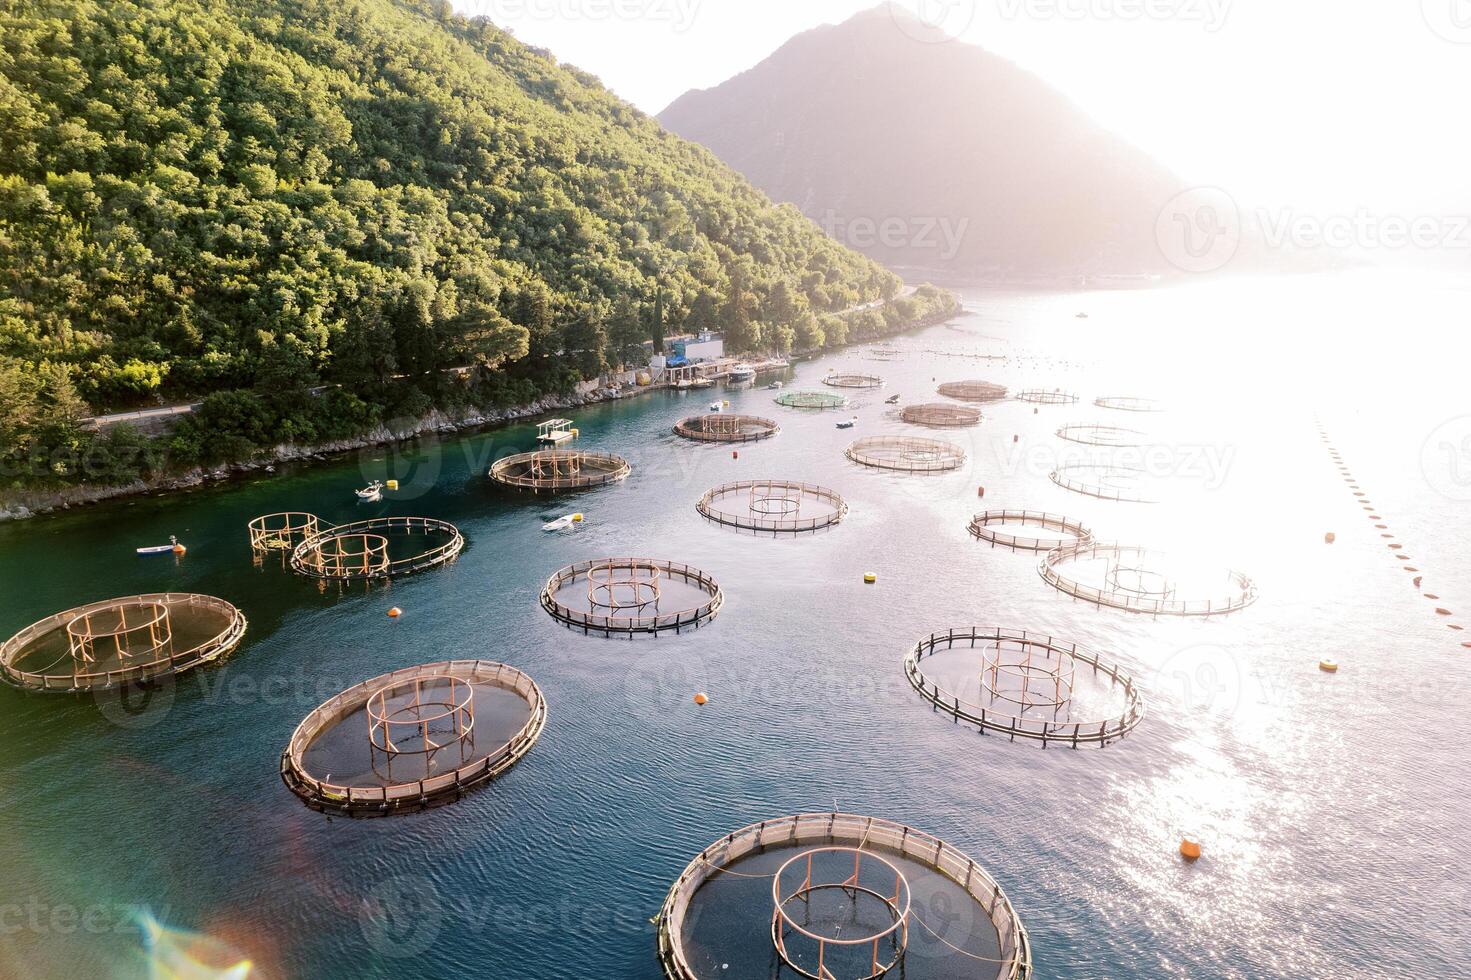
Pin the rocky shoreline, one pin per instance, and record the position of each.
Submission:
(24, 504)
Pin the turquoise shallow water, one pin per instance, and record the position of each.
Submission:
(1332, 809)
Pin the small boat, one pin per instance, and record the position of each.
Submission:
(717, 406)
(848, 423)
(162, 549)
(1082, 316)
(892, 400)
(774, 386)
(372, 493)
(562, 523)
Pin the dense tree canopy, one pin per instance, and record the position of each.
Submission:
(261, 200)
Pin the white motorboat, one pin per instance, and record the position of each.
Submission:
(848, 423)
(372, 493)
(162, 549)
(562, 523)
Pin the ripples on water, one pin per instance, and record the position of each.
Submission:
(1331, 808)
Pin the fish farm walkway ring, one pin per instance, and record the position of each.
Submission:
(1103, 435)
(872, 836)
(776, 506)
(559, 470)
(1133, 581)
(973, 391)
(386, 797)
(906, 454)
(1120, 403)
(938, 415)
(651, 618)
(853, 381)
(985, 526)
(360, 551)
(723, 427)
(1043, 396)
(812, 400)
(1097, 731)
(108, 644)
(896, 902)
(1123, 484)
(282, 532)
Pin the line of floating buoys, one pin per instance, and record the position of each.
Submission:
(1190, 849)
(1391, 544)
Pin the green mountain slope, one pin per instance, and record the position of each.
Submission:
(213, 195)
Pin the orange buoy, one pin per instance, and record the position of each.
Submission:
(1330, 537)
(702, 698)
(1190, 849)
(1016, 439)
(982, 492)
(1328, 666)
(395, 612)
(734, 454)
(179, 549)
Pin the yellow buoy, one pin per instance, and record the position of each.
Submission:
(1328, 666)
(395, 612)
(391, 485)
(870, 577)
(1190, 849)
(576, 518)
(702, 698)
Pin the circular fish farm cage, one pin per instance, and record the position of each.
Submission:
(133, 640)
(906, 454)
(1103, 435)
(382, 547)
(1125, 484)
(973, 391)
(1018, 530)
(811, 400)
(774, 506)
(836, 896)
(281, 533)
(723, 427)
(631, 597)
(559, 470)
(1140, 580)
(413, 739)
(1044, 396)
(941, 416)
(1120, 403)
(1024, 685)
(853, 381)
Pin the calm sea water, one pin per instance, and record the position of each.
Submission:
(1332, 809)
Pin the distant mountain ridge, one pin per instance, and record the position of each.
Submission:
(933, 155)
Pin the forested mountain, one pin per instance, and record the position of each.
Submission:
(975, 164)
(266, 198)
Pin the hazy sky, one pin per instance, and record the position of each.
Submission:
(1321, 105)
